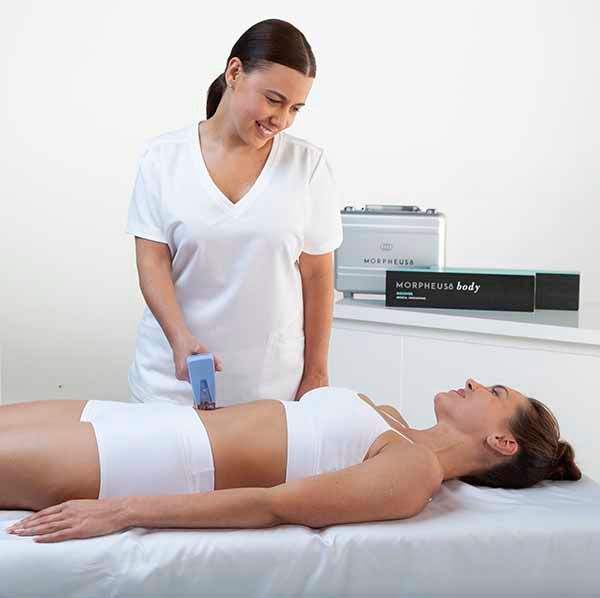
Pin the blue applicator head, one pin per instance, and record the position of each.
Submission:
(202, 378)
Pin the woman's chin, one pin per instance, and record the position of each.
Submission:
(442, 403)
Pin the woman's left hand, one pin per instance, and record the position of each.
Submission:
(309, 381)
(74, 519)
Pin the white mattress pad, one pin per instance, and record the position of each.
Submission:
(543, 541)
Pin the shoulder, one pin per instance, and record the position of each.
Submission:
(170, 141)
(417, 462)
(301, 152)
(301, 145)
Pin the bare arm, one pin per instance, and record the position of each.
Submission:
(154, 272)
(317, 292)
(394, 484)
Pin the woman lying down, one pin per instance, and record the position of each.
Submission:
(97, 467)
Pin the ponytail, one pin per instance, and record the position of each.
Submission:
(565, 467)
(215, 93)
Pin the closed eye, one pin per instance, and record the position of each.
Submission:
(494, 390)
(278, 102)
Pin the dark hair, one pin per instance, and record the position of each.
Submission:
(542, 455)
(266, 42)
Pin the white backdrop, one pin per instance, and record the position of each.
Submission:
(486, 111)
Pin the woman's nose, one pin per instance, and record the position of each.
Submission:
(278, 118)
(472, 384)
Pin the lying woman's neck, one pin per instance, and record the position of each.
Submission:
(458, 454)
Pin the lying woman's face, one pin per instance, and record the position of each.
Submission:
(479, 409)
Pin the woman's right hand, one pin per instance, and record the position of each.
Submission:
(184, 347)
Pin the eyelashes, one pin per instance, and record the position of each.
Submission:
(278, 102)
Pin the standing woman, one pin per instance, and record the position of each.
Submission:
(235, 222)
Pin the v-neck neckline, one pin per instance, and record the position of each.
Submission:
(214, 189)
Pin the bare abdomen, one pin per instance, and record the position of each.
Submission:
(249, 443)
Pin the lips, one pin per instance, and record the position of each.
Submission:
(264, 130)
(461, 392)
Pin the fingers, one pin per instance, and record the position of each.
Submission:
(67, 534)
(183, 376)
(50, 528)
(25, 525)
(181, 367)
(181, 370)
(36, 516)
(43, 528)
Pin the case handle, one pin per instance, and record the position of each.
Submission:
(391, 208)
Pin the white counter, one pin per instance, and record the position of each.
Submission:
(581, 326)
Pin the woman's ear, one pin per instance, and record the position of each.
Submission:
(504, 444)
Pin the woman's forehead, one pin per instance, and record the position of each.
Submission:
(284, 79)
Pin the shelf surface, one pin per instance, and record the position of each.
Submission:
(581, 326)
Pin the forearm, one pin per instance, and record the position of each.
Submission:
(318, 314)
(158, 290)
(232, 508)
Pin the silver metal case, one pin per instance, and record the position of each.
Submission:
(383, 237)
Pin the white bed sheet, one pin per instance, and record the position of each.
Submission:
(544, 541)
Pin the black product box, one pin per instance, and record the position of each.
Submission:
(557, 290)
(455, 288)
(490, 289)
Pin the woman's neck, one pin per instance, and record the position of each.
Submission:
(458, 454)
(219, 133)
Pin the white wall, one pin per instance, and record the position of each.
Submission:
(484, 110)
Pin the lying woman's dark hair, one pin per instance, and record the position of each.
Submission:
(269, 41)
(542, 455)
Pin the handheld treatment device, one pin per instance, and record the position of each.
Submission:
(202, 378)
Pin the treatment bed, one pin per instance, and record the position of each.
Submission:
(543, 541)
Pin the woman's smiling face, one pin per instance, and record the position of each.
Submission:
(266, 101)
(478, 409)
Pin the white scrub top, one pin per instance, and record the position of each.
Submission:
(234, 266)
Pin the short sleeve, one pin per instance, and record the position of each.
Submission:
(323, 228)
(145, 210)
